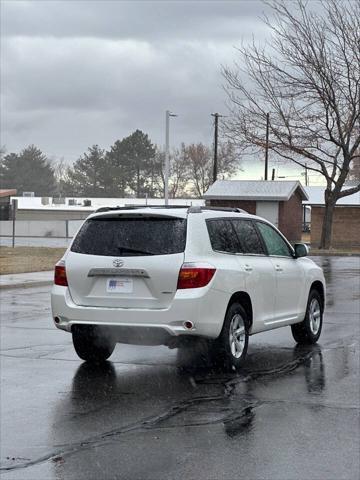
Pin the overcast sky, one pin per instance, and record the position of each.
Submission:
(76, 73)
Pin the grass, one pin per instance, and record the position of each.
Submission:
(336, 252)
(28, 259)
(333, 251)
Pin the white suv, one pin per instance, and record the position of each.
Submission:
(159, 276)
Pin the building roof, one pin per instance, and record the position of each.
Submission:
(316, 197)
(36, 203)
(254, 190)
(7, 193)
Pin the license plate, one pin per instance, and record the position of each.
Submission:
(119, 285)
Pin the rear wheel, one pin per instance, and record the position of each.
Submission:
(232, 344)
(308, 331)
(92, 344)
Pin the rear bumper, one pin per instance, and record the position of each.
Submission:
(205, 308)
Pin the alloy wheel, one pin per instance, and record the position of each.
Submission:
(237, 335)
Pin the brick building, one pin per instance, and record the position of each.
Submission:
(346, 220)
(5, 204)
(280, 202)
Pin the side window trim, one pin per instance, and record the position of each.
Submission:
(263, 244)
(255, 222)
(291, 250)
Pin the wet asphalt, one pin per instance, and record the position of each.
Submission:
(155, 413)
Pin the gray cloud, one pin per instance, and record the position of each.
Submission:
(77, 73)
(123, 19)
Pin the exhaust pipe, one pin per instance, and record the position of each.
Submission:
(188, 325)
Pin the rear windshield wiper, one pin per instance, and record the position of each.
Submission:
(134, 250)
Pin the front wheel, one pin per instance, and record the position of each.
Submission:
(232, 344)
(91, 344)
(308, 331)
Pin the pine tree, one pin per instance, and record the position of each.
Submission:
(29, 171)
(88, 176)
(131, 165)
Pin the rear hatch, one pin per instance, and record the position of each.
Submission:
(126, 260)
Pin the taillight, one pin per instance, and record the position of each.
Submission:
(60, 274)
(193, 275)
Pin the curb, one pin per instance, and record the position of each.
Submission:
(40, 283)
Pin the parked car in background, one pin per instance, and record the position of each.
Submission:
(164, 276)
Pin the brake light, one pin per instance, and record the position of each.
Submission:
(194, 275)
(60, 274)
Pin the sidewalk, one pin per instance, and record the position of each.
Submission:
(24, 280)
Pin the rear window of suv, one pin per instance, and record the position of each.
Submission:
(131, 236)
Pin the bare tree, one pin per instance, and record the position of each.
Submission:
(191, 168)
(61, 172)
(199, 159)
(355, 168)
(178, 174)
(308, 80)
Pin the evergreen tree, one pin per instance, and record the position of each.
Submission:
(29, 171)
(118, 170)
(141, 154)
(88, 176)
(132, 165)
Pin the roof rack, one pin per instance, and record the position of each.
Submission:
(192, 209)
(199, 209)
(135, 207)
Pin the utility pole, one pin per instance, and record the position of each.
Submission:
(306, 176)
(273, 174)
(168, 114)
(215, 164)
(267, 146)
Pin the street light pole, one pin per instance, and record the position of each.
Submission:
(168, 114)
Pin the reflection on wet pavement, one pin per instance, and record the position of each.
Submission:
(155, 413)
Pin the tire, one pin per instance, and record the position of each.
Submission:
(308, 331)
(91, 344)
(230, 348)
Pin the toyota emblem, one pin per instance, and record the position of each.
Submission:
(118, 262)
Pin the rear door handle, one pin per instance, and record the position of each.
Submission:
(278, 268)
(248, 268)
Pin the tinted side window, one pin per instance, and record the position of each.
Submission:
(248, 236)
(275, 244)
(130, 236)
(222, 236)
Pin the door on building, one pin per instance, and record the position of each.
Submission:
(269, 211)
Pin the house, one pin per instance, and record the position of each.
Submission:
(280, 202)
(346, 220)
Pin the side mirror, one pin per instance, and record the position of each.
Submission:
(301, 250)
